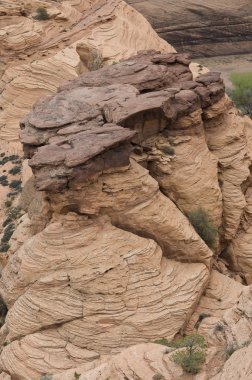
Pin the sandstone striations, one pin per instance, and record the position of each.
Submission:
(37, 57)
(106, 257)
(203, 28)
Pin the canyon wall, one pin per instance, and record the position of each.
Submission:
(202, 28)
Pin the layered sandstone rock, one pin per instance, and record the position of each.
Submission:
(39, 56)
(105, 257)
(221, 295)
(101, 282)
(227, 138)
(201, 27)
(144, 361)
(238, 366)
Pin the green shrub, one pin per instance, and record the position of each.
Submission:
(14, 213)
(3, 311)
(8, 203)
(192, 355)
(163, 341)
(46, 377)
(15, 170)
(14, 158)
(6, 222)
(8, 233)
(242, 92)
(77, 375)
(158, 376)
(204, 227)
(4, 247)
(42, 14)
(4, 180)
(16, 184)
(169, 151)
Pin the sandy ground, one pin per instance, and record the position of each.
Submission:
(228, 64)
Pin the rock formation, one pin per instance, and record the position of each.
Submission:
(200, 27)
(38, 56)
(105, 258)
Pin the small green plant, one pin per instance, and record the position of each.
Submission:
(4, 180)
(8, 203)
(8, 233)
(204, 227)
(41, 14)
(115, 63)
(77, 375)
(163, 341)
(4, 247)
(15, 170)
(169, 151)
(3, 311)
(242, 92)
(14, 213)
(192, 355)
(16, 184)
(158, 376)
(13, 158)
(46, 377)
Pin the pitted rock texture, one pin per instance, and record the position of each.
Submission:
(203, 28)
(36, 57)
(104, 291)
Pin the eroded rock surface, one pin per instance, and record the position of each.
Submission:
(201, 27)
(39, 56)
(105, 260)
(88, 283)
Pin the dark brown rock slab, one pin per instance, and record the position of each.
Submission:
(89, 126)
(146, 71)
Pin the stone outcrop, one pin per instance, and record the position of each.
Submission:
(238, 366)
(85, 113)
(201, 27)
(105, 259)
(220, 295)
(102, 291)
(39, 56)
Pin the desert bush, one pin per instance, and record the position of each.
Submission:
(204, 227)
(4, 180)
(15, 170)
(192, 355)
(14, 158)
(242, 92)
(158, 376)
(41, 14)
(8, 233)
(46, 377)
(3, 311)
(163, 341)
(8, 203)
(4, 247)
(169, 151)
(16, 184)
